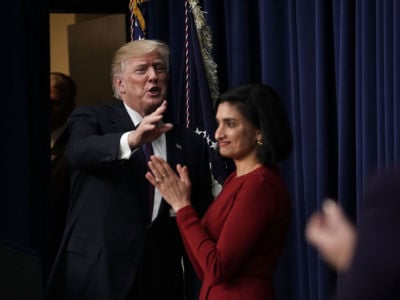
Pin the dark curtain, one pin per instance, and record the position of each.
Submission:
(24, 119)
(336, 66)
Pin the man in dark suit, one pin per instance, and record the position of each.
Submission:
(62, 102)
(367, 257)
(121, 241)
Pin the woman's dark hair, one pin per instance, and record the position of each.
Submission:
(262, 107)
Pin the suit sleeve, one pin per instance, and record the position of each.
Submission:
(89, 145)
(201, 198)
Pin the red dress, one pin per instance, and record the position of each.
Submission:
(235, 247)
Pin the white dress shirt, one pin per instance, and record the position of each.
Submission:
(55, 135)
(159, 149)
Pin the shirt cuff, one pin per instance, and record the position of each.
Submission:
(125, 151)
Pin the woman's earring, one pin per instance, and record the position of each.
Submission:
(259, 143)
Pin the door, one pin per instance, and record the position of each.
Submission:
(92, 45)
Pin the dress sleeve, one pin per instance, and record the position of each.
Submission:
(254, 209)
(188, 216)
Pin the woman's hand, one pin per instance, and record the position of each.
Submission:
(175, 190)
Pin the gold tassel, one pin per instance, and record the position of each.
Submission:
(133, 6)
(205, 40)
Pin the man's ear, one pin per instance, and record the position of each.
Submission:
(119, 85)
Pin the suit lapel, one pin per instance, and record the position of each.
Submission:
(175, 153)
(119, 119)
(174, 148)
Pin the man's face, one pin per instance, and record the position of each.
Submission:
(143, 83)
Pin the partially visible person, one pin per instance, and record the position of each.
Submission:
(62, 102)
(121, 240)
(367, 257)
(235, 246)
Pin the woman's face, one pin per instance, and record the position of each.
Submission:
(236, 136)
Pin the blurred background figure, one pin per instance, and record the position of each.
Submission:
(367, 257)
(62, 99)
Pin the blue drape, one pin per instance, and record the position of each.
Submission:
(24, 121)
(336, 66)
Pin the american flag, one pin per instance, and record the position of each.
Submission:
(201, 87)
(198, 84)
(137, 19)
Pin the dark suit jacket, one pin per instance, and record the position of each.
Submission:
(109, 238)
(375, 270)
